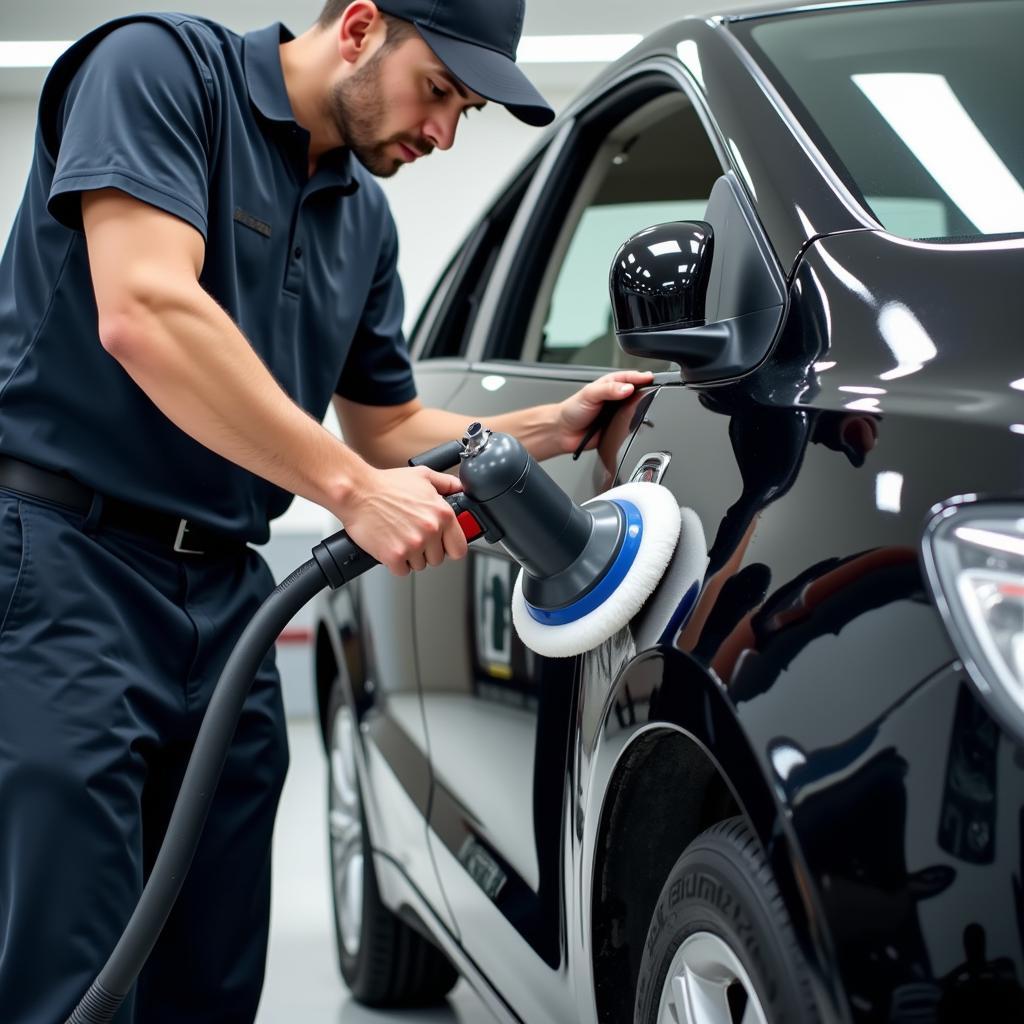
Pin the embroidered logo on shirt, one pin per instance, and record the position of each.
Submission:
(254, 223)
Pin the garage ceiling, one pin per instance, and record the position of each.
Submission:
(67, 19)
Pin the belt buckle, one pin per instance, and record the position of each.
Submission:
(182, 530)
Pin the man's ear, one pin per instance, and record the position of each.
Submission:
(357, 29)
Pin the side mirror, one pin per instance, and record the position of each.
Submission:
(707, 295)
(659, 277)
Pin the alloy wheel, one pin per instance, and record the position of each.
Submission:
(707, 984)
(345, 823)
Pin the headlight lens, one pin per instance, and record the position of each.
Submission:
(974, 554)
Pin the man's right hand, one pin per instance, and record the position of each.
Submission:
(401, 518)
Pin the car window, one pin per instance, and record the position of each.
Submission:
(444, 326)
(656, 166)
(917, 105)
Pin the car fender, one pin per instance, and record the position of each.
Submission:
(664, 692)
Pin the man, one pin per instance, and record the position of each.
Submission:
(202, 259)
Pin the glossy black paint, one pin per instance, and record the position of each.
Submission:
(642, 298)
(527, 809)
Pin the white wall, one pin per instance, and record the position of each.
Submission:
(17, 128)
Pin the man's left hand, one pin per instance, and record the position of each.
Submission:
(578, 411)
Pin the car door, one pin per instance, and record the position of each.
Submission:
(381, 659)
(498, 718)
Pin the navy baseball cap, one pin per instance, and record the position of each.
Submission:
(476, 40)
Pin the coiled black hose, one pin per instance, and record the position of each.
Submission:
(335, 562)
(114, 982)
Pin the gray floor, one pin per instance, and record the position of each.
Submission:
(303, 983)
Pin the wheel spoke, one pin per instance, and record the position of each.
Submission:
(343, 788)
(706, 983)
(752, 1014)
(706, 1001)
(676, 1010)
(345, 827)
(346, 838)
(350, 903)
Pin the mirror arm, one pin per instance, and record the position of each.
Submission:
(712, 351)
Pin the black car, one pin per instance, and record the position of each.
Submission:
(794, 791)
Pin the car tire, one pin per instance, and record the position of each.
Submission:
(384, 962)
(720, 948)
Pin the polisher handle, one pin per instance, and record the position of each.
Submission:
(442, 458)
(342, 560)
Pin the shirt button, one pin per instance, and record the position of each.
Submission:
(298, 252)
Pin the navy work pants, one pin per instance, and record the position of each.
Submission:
(110, 646)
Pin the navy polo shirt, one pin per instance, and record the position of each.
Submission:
(194, 119)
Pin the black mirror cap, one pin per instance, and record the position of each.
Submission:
(659, 277)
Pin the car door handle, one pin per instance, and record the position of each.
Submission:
(651, 468)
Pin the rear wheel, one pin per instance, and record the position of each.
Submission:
(384, 962)
(720, 948)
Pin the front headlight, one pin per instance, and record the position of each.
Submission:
(974, 555)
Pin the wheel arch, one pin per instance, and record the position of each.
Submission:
(684, 768)
(643, 830)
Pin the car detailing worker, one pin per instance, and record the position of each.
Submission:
(201, 261)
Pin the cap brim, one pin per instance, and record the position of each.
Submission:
(490, 74)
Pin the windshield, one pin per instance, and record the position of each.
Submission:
(917, 105)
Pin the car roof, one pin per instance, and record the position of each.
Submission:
(744, 10)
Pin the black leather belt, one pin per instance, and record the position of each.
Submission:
(180, 535)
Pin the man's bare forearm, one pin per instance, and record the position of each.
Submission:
(427, 428)
(194, 363)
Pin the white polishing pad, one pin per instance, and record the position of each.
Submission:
(661, 518)
(665, 610)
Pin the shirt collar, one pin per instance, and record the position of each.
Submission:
(263, 74)
(265, 81)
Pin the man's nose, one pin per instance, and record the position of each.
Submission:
(440, 130)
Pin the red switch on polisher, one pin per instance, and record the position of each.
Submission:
(470, 525)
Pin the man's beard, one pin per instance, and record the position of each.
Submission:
(357, 109)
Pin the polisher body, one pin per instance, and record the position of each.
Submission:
(586, 570)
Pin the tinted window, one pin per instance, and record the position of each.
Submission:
(657, 166)
(919, 104)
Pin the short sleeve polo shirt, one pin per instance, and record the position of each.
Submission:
(191, 118)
